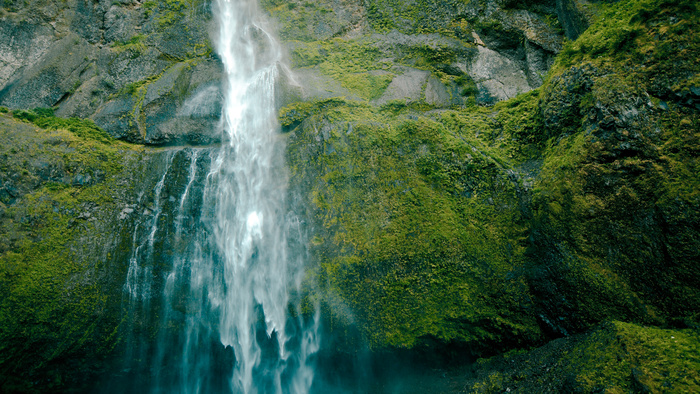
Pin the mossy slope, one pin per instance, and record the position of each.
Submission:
(541, 217)
(417, 222)
(615, 223)
(615, 357)
(65, 241)
(422, 51)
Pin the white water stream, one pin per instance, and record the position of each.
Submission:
(250, 216)
(228, 289)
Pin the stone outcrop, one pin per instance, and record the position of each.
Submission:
(500, 50)
(74, 208)
(588, 167)
(130, 66)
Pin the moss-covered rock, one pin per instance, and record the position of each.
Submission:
(445, 54)
(416, 222)
(575, 201)
(144, 72)
(613, 231)
(70, 197)
(615, 357)
(432, 221)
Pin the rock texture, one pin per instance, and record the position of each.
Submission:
(573, 199)
(469, 184)
(130, 66)
(501, 49)
(74, 207)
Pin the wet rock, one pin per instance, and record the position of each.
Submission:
(315, 85)
(82, 180)
(21, 44)
(88, 19)
(497, 77)
(406, 86)
(538, 64)
(120, 23)
(125, 213)
(440, 95)
(560, 104)
(288, 89)
(81, 63)
(183, 105)
(573, 17)
(48, 80)
(117, 118)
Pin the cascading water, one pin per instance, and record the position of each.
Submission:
(250, 217)
(226, 293)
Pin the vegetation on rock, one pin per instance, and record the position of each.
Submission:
(65, 242)
(614, 357)
(540, 217)
(416, 225)
(433, 221)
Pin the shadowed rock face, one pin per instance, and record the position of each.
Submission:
(73, 210)
(573, 16)
(134, 68)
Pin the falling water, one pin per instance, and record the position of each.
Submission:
(226, 296)
(250, 217)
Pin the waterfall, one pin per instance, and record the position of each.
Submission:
(226, 320)
(250, 228)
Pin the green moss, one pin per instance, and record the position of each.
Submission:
(400, 198)
(365, 68)
(55, 302)
(630, 32)
(172, 10)
(44, 118)
(135, 88)
(467, 85)
(616, 357)
(652, 358)
(445, 17)
(135, 44)
(355, 64)
(427, 56)
(610, 197)
(419, 16)
(291, 116)
(521, 120)
(419, 226)
(138, 91)
(167, 13)
(366, 71)
(148, 7)
(350, 57)
(367, 85)
(306, 21)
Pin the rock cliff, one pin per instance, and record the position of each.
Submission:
(75, 205)
(474, 177)
(143, 71)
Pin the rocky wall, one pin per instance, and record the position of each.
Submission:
(75, 206)
(143, 71)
